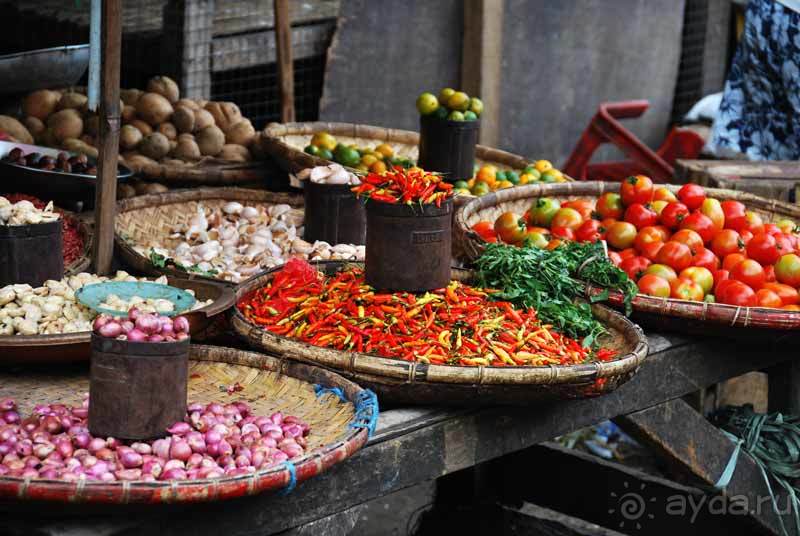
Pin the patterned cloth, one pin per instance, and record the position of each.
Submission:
(759, 118)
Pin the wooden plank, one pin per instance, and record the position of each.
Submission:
(399, 460)
(108, 141)
(687, 440)
(283, 42)
(532, 519)
(482, 62)
(188, 32)
(773, 180)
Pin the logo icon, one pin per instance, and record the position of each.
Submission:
(631, 505)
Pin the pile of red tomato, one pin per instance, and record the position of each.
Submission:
(686, 246)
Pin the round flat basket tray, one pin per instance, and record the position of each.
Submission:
(206, 172)
(658, 313)
(400, 381)
(339, 426)
(147, 220)
(74, 347)
(285, 143)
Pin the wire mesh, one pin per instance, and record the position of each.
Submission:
(220, 50)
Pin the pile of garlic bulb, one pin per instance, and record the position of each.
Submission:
(332, 174)
(53, 308)
(25, 213)
(234, 242)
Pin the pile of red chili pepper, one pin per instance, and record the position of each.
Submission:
(70, 233)
(457, 325)
(400, 185)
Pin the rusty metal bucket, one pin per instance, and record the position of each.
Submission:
(448, 147)
(31, 254)
(333, 214)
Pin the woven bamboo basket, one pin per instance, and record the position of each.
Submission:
(207, 172)
(339, 428)
(150, 219)
(73, 347)
(406, 382)
(659, 313)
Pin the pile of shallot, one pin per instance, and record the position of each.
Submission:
(214, 441)
(142, 327)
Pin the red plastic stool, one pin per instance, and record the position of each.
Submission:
(604, 128)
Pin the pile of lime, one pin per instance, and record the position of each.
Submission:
(489, 178)
(450, 104)
(368, 159)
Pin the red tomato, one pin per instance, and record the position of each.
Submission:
(636, 189)
(769, 272)
(609, 205)
(640, 215)
(730, 261)
(749, 222)
(701, 224)
(750, 273)
(485, 230)
(726, 242)
(673, 214)
(692, 195)
(763, 248)
(746, 236)
(720, 275)
(614, 257)
(713, 210)
(585, 207)
(706, 259)
(634, 267)
(732, 209)
(627, 253)
(675, 254)
(658, 206)
(793, 307)
(562, 232)
(663, 271)
(662, 193)
(621, 234)
(768, 298)
(784, 243)
(789, 295)
(787, 226)
(736, 293)
(690, 238)
(650, 250)
(589, 231)
(567, 217)
(787, 270)
(553, 244)
(648, 235)
(509, 228)
(684, 288)
(652, 285)
(771, 228)
(701, 276)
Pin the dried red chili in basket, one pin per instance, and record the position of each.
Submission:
(456, 325)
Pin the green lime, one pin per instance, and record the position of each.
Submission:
(427, 103)
(458, 101)
(326, 154)
(456, 116)
(500, 176)
(529, 169)
(445, 94)
(347, 156)
(440, 113)
(476, 105)
(547, 177)
(470, 116)
(512, 177)
(312, 150)
(462, 185)
(480, 188)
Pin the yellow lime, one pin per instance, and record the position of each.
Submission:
(543, 165)
(525, 178)
(476, 105)
(385, 149)
(505, 184)
(368, 160)
(445, 94)
(480, 188)
(378, 167)
(459, 101)
(427, 103)
(456, 116)
(324, 140)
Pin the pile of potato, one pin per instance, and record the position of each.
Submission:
(157, 125)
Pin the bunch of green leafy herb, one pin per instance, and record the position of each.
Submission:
(552, 281)
(160, 261)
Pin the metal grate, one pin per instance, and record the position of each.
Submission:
(689, 86)
(222, 50)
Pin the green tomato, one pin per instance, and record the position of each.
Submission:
(542, 211)
(512, 177)
(461, 185)
(536, 239)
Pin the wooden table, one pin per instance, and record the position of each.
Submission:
(411, 446)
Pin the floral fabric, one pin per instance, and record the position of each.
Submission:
(759, 117)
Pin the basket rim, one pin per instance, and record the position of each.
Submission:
(203, 490)
(444, 374)
(735, 316)
(133, 258)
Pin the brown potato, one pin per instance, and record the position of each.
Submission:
(168, 130)
(155, 146)
(138, 162)
(153, 108)
(234, 153)
(15, 129)
(75, 101)
(130, 96)
(203, 119)
(66, 124)
(40, 104)
(242, 133)
(79, 146)
(226, 114)
(128, 113)
(143, 127)
(188, 103)
(165, 87)
(210, 140)
(183, 119)
(34, 126)
(129, 137)
(187, 150)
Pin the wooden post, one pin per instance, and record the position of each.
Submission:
(283, 43)
(188, 36)
(105, 199)
(482, 62)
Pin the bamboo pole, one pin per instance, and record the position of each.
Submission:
(105, 199)
(283, 43)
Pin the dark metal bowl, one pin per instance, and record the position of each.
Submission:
(43, 68)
